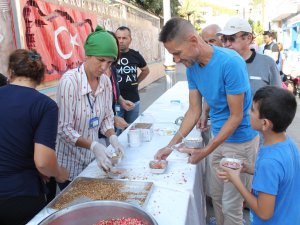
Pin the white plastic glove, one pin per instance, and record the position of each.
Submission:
(119, 149)
(99, 151)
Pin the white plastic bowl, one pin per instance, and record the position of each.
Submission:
(231, 163)
(116, 173)
(116, 159)
(158, 166)
(193, 142)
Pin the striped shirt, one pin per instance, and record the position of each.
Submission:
(75, 113)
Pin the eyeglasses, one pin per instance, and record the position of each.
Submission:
(231, 38)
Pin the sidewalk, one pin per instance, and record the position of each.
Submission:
(153, 91)
(150, 93)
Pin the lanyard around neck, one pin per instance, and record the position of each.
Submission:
(114, 87)
(90, 103)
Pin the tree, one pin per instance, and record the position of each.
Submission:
(257, 2)
(258, 30)
(191, 10)
(156, 7)
(195, 11)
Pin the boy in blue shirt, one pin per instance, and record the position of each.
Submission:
(275, 193)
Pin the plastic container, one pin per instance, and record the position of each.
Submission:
(116, 159)
(158, 166)
(231, 163)
(134, 137)
(116, 173)
(177, 153)
(193, 142)
(146, 130)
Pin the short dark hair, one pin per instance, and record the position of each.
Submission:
(174, 29)
(124, 28)
(277, 105)
(27, 63)
(269, 33)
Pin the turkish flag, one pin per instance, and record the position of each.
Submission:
(58, 33)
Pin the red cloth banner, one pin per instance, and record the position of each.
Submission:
(58, 33)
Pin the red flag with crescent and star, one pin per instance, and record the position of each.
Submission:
(57, 33)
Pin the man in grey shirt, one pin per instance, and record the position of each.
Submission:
(262, 70)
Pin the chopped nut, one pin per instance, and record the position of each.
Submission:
(96, 189)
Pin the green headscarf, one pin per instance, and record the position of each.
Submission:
(101, 43)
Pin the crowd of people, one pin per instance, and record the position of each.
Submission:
(227, 80)
(49, 143)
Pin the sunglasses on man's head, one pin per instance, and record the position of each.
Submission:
(231, 38)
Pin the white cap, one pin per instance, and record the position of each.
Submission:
(235, 25)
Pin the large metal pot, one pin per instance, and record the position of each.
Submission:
(90, 213)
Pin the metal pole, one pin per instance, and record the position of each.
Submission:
(168, 64)
(18, 25)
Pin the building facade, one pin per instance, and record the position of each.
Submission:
(283, 16)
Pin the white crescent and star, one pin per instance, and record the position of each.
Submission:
(73, 42)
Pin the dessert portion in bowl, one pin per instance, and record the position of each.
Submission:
(158, 166)
(231, 163)
(177, 151)
(116, 173)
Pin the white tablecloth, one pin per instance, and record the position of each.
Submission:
(177, 197)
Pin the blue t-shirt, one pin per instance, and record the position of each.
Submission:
(225, 74)
(277, 172)
(27, 117)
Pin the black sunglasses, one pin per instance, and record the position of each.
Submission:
(231, 38)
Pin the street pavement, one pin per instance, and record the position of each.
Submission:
(294, 129)
(153, 91)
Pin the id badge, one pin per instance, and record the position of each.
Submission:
(117, 108)
(94, 122)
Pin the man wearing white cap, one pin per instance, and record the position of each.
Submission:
(262, 70)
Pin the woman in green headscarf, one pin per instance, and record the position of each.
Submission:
(84, 98)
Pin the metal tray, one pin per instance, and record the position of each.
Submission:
(84, 189)
(93, 212)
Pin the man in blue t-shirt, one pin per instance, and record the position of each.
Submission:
(220, 76)
(276, 182)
